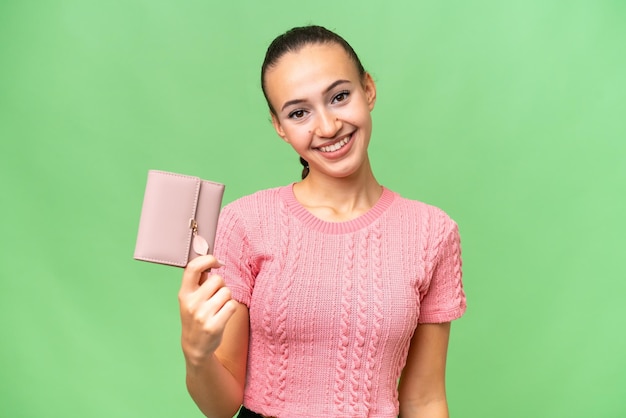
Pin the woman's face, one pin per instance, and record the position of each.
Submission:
(322, 108)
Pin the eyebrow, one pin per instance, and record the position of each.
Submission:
(329, 88)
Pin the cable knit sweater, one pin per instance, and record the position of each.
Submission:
(333, 305)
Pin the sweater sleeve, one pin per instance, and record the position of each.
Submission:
(232, 248)
(445, 298)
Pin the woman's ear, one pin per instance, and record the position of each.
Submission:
(278, 127)
(370, 90)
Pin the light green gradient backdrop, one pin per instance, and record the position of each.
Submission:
(508, 115)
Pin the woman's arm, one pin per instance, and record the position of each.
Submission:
(214, 340)
(422, 387)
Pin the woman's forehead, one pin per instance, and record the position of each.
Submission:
(313, 66)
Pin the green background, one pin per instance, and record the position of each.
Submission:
(509, 115)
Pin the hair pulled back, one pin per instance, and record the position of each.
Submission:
(294, 40)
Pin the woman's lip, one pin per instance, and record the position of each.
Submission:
(346, 138)
(340, 152)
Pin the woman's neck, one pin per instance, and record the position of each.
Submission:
(338, 199)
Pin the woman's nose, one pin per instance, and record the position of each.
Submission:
(328, 125)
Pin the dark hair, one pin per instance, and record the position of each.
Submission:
(292, 41)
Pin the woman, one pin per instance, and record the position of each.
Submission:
(334, 287)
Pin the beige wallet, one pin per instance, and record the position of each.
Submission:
(178, 218)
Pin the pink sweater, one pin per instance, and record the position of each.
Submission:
(333, 305)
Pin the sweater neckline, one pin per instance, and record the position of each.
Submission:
(341, 227)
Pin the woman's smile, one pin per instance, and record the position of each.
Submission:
(336, 146)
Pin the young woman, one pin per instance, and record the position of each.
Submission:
(329, 289)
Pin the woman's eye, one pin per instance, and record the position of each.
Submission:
(297, 114)
(340, 97)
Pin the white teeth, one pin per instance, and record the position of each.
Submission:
(335, 147)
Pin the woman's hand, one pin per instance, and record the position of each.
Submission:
(214, 339)
(205, 308)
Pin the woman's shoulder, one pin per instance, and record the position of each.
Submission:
(421, 209)
(416, 205)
